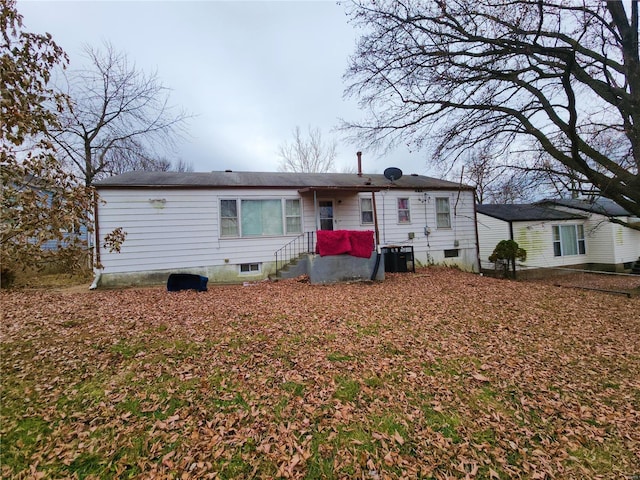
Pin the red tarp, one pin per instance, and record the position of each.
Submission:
(352, 242)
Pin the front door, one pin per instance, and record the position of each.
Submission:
(325, 212)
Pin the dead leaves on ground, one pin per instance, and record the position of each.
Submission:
(437, 375)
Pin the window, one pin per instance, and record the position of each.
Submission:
(255, 218)
(228, 218)
(451, 253)
(568, 240)
(293, 214)
(443, 213)
(249, 268)
(366, 210)
(404, 215)
(261, 217)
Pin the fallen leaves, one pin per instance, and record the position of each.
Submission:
(441, 375)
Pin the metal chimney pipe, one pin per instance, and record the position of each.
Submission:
(359, 154)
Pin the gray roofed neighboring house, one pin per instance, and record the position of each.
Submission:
(561, 233)
(525, 212)
(603, 206)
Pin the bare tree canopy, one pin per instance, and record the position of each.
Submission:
(307, 154)
(117, 116)
(560, 77)
(495, 181)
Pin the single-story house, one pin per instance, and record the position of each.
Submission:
(243, 226)
(562, 233)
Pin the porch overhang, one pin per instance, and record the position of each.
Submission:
(354, 189)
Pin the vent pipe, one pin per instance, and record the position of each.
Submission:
(359, 154)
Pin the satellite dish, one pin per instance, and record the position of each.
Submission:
(392, 173)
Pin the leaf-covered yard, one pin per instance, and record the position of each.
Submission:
(440, 374)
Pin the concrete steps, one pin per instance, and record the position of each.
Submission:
(296, 267)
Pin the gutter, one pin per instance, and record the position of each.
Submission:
(475, 222)
(96, 243)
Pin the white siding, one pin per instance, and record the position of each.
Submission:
(490, 232)
(182, 232)
(536, 238)
(608, 243)
(611, 243)
(178, 229)
(429, 248)
(626, 243)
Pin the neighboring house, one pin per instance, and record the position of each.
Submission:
(43, 197)
(567, 233)
(228, 226)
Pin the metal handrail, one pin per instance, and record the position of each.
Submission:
(303, 243)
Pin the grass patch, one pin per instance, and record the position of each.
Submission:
(338, 357)
(21, 440)
(446, 423)
(347, 389)
(295, 388)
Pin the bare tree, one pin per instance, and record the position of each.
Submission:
(307, 154)
(550, 75)
(495, 180)
(180, 165)
(118, 117)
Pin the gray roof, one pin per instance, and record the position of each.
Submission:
(603, 206)
(511, 212)
(229, 179)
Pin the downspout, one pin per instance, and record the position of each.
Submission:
(375, 217)
(374, 274)
(96, 244)
(475, 217)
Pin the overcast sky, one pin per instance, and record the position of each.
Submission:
(249, 71)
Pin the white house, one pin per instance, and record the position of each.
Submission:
(566, 233)
(230, 226)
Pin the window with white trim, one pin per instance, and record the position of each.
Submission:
(568, 240)
(293, 215)
(249, 268)
(366, 210)
(229, 218)
(443, 213)
(404, 214)
(255, 218)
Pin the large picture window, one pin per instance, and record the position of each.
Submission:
(261, 217)
(568, 240)
(255, 218)
(443, 213)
